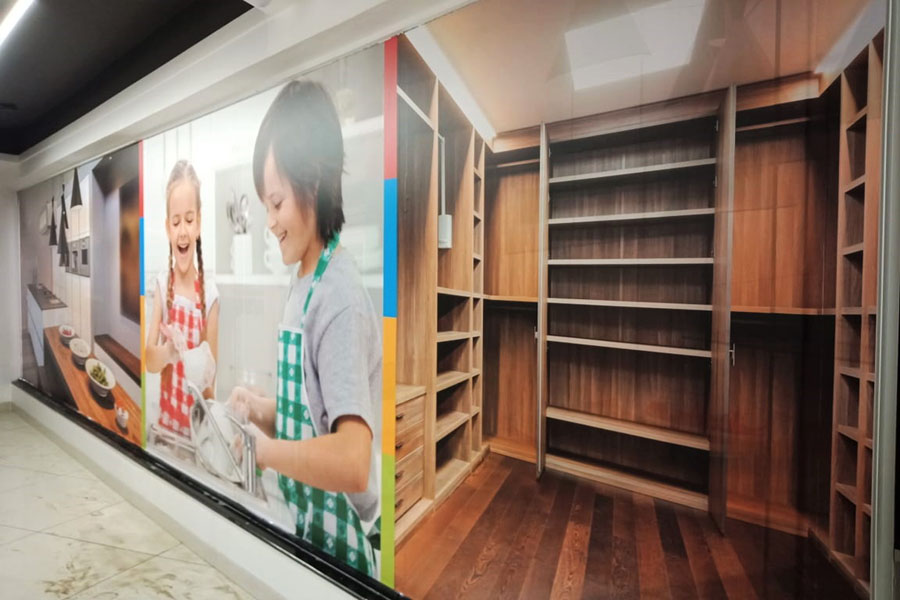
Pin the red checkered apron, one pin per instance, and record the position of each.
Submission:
(175, 402)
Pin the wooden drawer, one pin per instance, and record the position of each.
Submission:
(410, 415)
(409, 468)
(407, 495)
(408, 441)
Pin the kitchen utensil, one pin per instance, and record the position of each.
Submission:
(101, 377)
(122, 418)
(66, 333)
(81, 350)
(238, 212)
(199, 365)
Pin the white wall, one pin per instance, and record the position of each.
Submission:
(10, 314)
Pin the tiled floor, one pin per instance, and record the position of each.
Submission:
(64, 534)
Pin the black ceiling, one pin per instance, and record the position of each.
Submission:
(66, 57)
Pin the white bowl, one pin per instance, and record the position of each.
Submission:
(93, 367)
(66, 333)
(199, 366)
(81, 350)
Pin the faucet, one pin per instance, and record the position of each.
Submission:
(247, 469)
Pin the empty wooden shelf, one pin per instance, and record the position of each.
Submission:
(628, 346)
(633, 217)
(627, 262)
(605, 176)
(630, 304)
(649, 432)
(408, 392)
(627, 481)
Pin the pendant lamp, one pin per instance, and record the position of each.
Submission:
(63, 218)
(76, 190)
(52, 222)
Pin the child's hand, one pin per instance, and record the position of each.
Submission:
(240, 404)
(262, 443)
(175, 342)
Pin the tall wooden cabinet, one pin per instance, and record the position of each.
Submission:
(637, 259)
(857, 313)
(678, 299)
(440, 166)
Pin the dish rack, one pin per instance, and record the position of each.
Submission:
(242, 474)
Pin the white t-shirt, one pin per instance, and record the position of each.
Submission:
(211, 292)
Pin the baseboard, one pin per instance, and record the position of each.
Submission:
(260, 568)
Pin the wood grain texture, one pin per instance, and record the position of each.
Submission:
(703, 569)
(455, 263)
(721, 316)
(417, 197)
(510, 375)
(511, 239)
(429, 548)
(779, 414)
(570, 572)
(668, 144)
(777, 91)
(658, 462)
(636, 118)
(77, 386)
(681, 581)
(687, 284)
(535, 535)
(680, 329)
(652, 389)
(784, 220)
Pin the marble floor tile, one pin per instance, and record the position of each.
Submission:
(47, 566)
(24, 440)
(50, 502)
(14, 477)
(49, 460)
(10, 534)
(10, 420)
(184, 554)
(120, 525)
(165, 578)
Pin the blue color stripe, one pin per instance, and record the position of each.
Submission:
(142, 255)
(390, 247)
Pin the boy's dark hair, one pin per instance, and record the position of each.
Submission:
(303, 131)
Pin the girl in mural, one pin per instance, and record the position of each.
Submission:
(322, 431)
(186, 311)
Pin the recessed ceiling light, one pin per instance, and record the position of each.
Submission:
(666, 35)
(13, 17)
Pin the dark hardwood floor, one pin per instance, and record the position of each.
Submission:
(503, 534)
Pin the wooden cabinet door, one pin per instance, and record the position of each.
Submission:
(721, 316)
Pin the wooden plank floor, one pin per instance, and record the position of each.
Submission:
(503, 534)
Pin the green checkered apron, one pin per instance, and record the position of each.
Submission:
(326, 519)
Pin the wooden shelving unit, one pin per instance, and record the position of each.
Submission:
(440, 303)
(636, 249)
(856, 296)
(511, 296)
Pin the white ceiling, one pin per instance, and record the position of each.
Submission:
(512, 54)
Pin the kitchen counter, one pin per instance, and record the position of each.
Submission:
(79, 386)
(46, 300)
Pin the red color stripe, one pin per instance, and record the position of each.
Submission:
(141, 178)
(390, 108)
